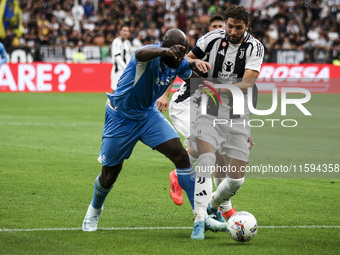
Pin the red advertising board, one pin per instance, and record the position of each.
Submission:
(64, 77)
(55, 77)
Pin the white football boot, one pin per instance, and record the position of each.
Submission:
(91, 218)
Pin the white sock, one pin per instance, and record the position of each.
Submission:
(203, 184)
(226, 205)
(225, 191)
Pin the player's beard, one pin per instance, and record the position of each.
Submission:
(234, 39)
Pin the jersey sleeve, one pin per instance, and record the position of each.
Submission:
(205, 43)
(199, 49)
(185, 70)
(255, 56)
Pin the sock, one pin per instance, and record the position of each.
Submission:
(99, 194)
(186, 179)
(225, 191)
(226, 205)
(203, 184)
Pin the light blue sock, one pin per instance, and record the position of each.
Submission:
(99, 194)
(186, 179)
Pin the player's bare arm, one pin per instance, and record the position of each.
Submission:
(148, 53)
(201, 65)
(248, 80)
(163, 101)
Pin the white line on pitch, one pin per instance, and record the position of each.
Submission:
(153, 228)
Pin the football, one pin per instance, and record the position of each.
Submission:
(242, 226)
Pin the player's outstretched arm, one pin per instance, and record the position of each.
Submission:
(147, 53)
(194, 63)
(163, 100)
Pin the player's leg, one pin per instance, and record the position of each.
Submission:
(174, 150)
(231, 184)
(220, 174)
(175, 189)
(117, 145)
(236, 150)
(160, 135)
(179, 114)
(203, 184)
(206, 140)
(102, 186)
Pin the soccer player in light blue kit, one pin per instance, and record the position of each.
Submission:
(132, 116)
(3, 54)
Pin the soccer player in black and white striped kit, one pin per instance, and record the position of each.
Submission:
(121, 52)
(235, 58)
(179, 113)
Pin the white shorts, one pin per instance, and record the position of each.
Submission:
(179, 114)
(229, 139)
(114, 79)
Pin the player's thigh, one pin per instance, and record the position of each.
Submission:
(236, 169)
(221, 162)
(157, 130)
(236, 144)
(159, 134)
(120, 135)
(203, 130)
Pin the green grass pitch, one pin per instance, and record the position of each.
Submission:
(48, 149)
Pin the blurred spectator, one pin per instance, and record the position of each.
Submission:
(3, 54)
(59, 13)
(307, 25)
(79, 57)
(170, 19)
(88, 8)
(215, 8)
(181, 19)
(137, 42)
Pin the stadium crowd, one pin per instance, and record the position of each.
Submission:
(311, 26)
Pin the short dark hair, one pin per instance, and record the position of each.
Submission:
(237, 12)
(124, 25)
(216, 17)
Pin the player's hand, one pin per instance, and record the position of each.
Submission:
(251, 142)
(177, 52)
(201, 65)
(162, 103)
(207, 86)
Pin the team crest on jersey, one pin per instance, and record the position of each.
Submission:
(242, 51)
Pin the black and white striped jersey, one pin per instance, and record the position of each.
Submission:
(229, 61)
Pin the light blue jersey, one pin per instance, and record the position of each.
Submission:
(142, 83)
(3, 55)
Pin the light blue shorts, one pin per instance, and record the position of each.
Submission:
(120, 135)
